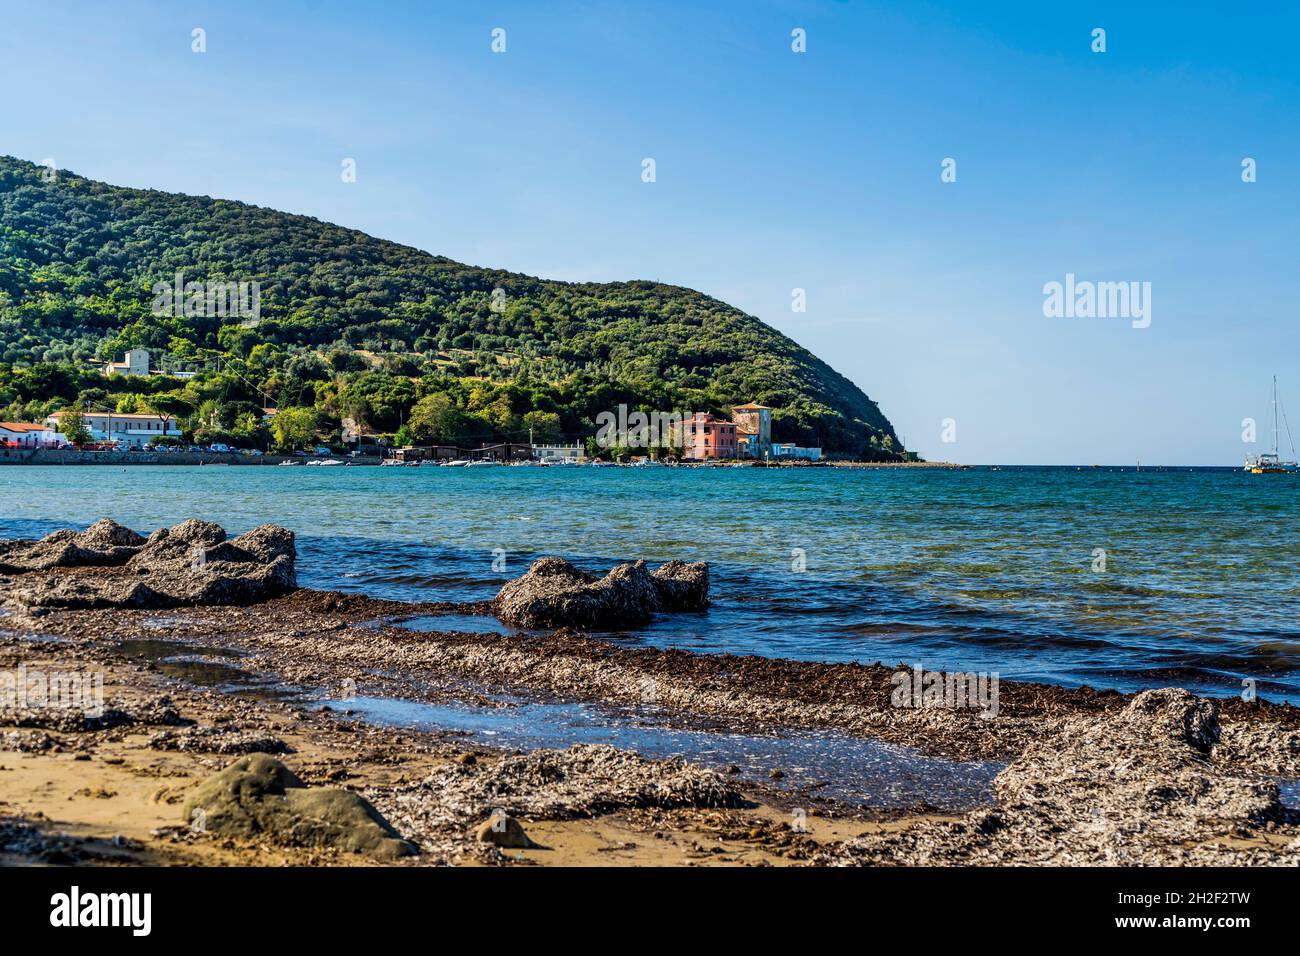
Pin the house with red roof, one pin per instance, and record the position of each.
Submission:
(27, 435)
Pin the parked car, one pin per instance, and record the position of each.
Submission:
(219, 447)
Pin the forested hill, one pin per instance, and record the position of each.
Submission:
(358, 327)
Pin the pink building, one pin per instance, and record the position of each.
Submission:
(704, 436)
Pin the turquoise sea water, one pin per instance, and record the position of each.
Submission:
(983, 569)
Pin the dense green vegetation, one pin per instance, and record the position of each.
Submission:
(357, 330)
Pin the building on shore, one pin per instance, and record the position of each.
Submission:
(505, 451)
(558, 454)
(753, 429)
(703, 437)
(747, 443)
(28, 435)
(428, 453)
(791, 452)
(130, 429)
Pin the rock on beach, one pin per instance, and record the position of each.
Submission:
(258, 797)
(191, 563)
(553, 593)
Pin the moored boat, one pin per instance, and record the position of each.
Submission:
(1272, 463)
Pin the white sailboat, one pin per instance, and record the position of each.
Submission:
(1271, 463)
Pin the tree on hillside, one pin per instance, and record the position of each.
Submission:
(361, 328)
(166, 405)
(431, 418)
(544, 427)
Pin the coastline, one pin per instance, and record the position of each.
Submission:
(74, 457)
(318, 640)
(68, 456)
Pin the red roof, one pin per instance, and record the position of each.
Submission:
(23, 427)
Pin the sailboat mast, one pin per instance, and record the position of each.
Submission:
(1274, 416)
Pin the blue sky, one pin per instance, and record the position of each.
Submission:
(775, 171)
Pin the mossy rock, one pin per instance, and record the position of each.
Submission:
(257, 796)
(504, 831)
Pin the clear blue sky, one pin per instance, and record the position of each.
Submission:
(775, 171)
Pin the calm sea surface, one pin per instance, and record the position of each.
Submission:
(985, 570)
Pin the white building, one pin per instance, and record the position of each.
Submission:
(136, 362)
(791, 450)
(27, 435)
(132, 429)
(558, 454)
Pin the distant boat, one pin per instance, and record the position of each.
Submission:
(1271, 463)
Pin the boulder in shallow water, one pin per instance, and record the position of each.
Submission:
(258, 797)
(682, 586)
(190, 563)
(553, 593)
(104, 543)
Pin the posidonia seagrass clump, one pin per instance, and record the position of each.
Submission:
(1141, 786)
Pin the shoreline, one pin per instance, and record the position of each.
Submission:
(64, 456)
(317, 639)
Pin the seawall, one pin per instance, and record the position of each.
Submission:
(72, 456)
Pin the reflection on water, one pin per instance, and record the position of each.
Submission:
(464, 623)
(195, 665)
(852, 769)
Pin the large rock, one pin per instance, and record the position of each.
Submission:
(111, 566)
(682, 586)
(258, 797)
(104, 543)
(553, 593)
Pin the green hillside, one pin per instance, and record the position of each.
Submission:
(356, 327)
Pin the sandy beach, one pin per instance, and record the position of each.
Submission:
(115, 796)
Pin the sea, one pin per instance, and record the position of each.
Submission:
(1108, 577)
